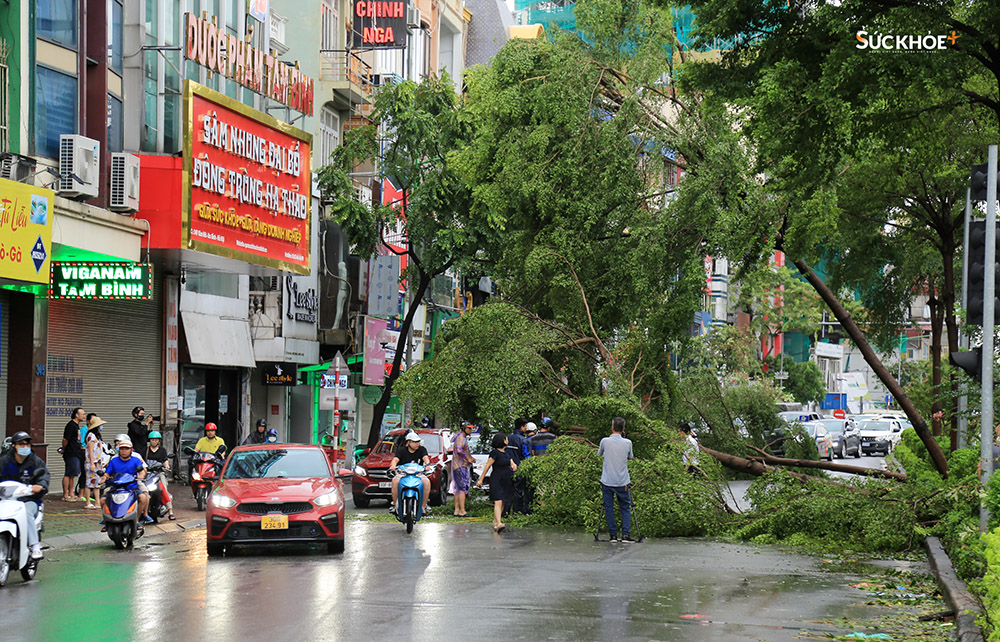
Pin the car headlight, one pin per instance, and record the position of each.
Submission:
(328, 499)
(222, 501)
(360, 471)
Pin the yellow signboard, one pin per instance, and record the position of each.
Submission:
(25, 231)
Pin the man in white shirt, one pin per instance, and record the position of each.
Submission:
(690, 454)
(616, 451)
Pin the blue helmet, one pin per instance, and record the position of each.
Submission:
(547, 422)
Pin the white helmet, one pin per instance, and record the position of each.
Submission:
(412, 436)
(124, 437)
(530, 427)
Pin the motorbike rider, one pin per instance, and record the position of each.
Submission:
(139, 427)
(272, 436)
(156, 452)
(127, 463)
(259, 434)
(21, 465)
(408, 453)
(208, 444)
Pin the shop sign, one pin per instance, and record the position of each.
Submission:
(25, 231)
(246, 183)
(278, 374)
(79, 280)
(373, 373)
(228, 55)
(327, 381)
(379, 24)
(302, 305)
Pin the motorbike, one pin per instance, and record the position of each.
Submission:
(121, 512)
(14, 550)
(410, 498)
(157, 491)
(205, 470)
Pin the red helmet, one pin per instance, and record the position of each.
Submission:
(210, 426)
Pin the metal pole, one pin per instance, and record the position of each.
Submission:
(989, 301)
(963, 337)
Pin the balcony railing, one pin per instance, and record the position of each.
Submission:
(346, 66)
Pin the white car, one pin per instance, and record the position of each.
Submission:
(879, 435)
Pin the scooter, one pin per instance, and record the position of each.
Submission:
(121, 512)
(205, 471)
(158, 497)
(14, 550)
(410, 495)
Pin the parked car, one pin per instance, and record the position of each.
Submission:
(845, 436)
(879, 435)
(371, 475)
(824, 445)
(787, 417)
(276, 493)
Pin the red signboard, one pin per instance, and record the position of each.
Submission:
(379, 24)
(839, 414)
(247, 183)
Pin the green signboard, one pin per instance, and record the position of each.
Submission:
(88, 280)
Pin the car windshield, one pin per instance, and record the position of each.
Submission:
(811, 428)
(793, 416)
(391, 442)
(276, 462)
(877, 426)
(833, 425)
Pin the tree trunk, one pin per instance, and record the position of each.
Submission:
(948, 296)
(844, 317)
(937, 320)
(375, 433)
(768, 458)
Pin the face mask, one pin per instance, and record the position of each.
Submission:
(272, 439)
(24, 451)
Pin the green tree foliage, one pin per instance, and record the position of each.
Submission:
(804, 383)
(426, 128)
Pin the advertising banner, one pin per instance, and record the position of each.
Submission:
(374, 364)
(246, 183)
(25, 231)
(93, 280)
(383, 286)
(379, 24)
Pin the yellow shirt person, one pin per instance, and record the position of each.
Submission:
(209, 443)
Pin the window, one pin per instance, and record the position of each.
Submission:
(328, 24)
(215, 283)
(329, 131)
(115, 125)
(115, 36)
(55, 109)
(56, 21)
(151, 124)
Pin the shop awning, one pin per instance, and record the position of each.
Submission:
(218, 341)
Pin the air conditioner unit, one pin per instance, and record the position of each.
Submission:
(413, 18)
(15, 167)
(124, 183)
(79, 166)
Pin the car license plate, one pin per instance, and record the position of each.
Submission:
(273, 522)
(387, 484)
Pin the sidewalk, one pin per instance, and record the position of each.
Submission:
(70, 524)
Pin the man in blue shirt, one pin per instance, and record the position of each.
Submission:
(127, 463)
(616, 451)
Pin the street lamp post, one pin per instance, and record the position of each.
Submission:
(989, 288)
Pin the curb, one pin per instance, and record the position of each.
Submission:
(89, 538)
(967, 608)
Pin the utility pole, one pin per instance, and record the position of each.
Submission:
(989, 304)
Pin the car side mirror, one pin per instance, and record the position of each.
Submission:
(344, 473)
(366, 452)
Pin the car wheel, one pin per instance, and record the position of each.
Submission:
(335, 547)
(360, 501)
(441, 497)
(857, 453)
(215, 550)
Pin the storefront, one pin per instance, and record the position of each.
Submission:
(233, 213)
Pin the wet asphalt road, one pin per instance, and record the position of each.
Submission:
(446, 581)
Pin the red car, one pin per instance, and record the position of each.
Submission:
(276, 493)
(371, 475)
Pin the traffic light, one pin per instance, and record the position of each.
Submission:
(976, 275)
(969, 360)
(977, 181)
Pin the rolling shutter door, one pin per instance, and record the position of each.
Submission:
(4, 352)
(106, 356)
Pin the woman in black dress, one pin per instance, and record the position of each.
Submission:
(502, 479)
